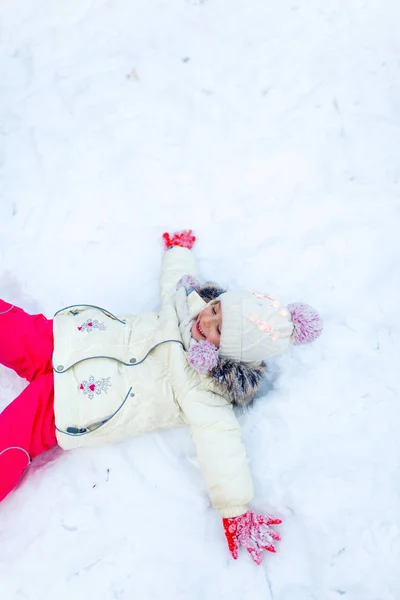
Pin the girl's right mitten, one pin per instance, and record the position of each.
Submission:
(184, 239)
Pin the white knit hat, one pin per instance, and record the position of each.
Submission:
(256, 327)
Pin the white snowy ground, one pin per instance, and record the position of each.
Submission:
(272, 129)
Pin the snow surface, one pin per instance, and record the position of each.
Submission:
(273, 130)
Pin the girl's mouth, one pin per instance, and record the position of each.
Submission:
(199, 329)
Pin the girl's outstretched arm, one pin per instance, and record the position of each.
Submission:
(178, 261)
(220, 451)
(223, 463)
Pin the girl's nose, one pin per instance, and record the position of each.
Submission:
(208, 320)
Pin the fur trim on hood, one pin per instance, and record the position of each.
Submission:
(210, 291)
(240, 380)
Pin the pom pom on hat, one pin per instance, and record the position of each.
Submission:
(203, 356)
(189, 282)
(307, 324)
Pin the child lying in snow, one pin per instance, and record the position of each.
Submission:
(109, 378)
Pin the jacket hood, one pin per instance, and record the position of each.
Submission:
(239, 379)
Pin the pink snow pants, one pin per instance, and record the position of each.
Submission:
(27, 425)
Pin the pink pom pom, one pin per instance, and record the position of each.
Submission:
(307, 323)
(203, 356)
(188, 282)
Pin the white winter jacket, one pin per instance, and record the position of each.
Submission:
(117, 377)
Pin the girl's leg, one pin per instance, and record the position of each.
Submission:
(27, 429)
(26, 341)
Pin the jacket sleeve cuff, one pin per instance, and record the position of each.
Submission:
(233, 511)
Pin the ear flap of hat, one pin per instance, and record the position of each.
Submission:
(241, 380)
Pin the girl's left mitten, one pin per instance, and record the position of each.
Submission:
(253, 532)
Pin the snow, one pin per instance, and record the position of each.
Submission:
(272, 129)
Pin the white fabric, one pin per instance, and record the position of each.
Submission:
(185, 317)
(255, 326)
(160, 388)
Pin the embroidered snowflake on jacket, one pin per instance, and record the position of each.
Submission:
(91, 386)
(89, 325)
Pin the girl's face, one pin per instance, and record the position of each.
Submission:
(208, 325)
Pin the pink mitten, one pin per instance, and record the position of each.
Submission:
(253, 532)
(185, 239)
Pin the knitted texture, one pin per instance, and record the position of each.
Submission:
(257, 327)
(307, 324)
(203, 356)
(189, 282)
(184, 239)
(253, 532)
(241, 380)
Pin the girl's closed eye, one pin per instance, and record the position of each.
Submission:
(215, 312)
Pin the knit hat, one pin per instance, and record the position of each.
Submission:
(256, 327)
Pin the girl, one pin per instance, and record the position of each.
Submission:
(96, 378)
